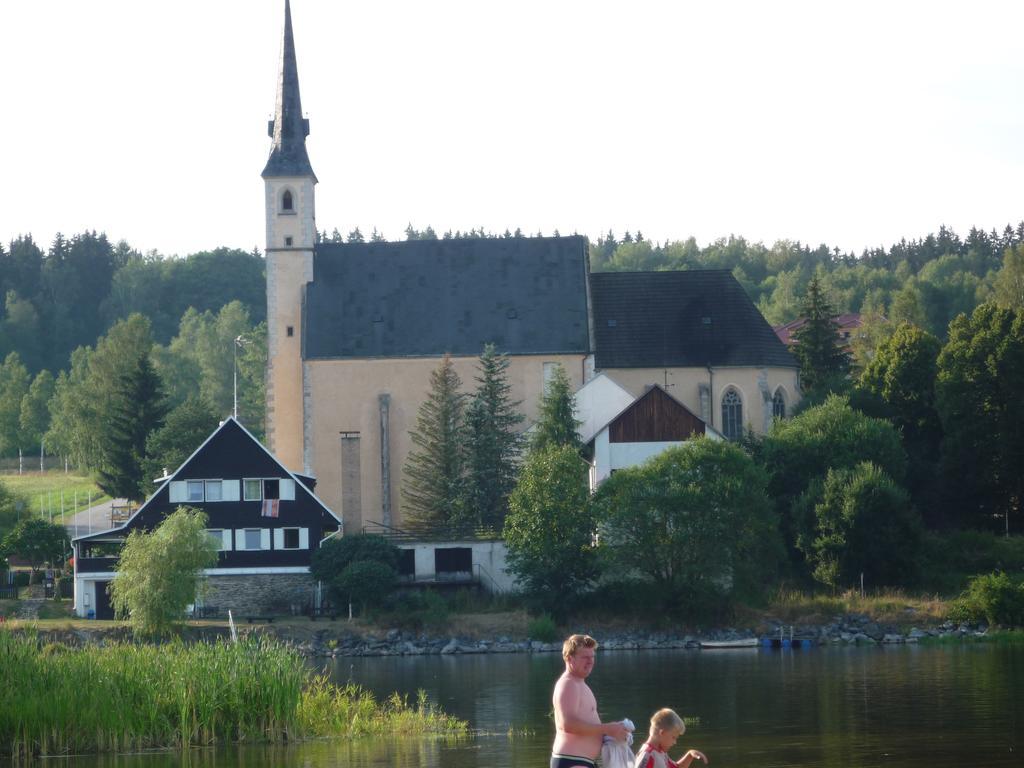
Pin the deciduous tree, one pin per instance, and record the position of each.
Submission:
(695, 521)
(978, 394)
(798, 451)
(550, 527)
(34, 418)
(37, 541)
(159, 573)
(1009, 283)
(14, 385)
(863, 525)
(902, 377)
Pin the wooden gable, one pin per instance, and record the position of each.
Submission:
(653, 418)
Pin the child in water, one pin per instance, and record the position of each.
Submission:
(666, 728)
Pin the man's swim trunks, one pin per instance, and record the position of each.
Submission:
(571, 761)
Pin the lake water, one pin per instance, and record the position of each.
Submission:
(894, 706)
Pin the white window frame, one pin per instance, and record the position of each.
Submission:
(219, 485)
(190, 486)
(242, 545)
(245, 488)
(225, 540)
(302, 535)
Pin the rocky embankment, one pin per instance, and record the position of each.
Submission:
(850, 629)
(335, 639)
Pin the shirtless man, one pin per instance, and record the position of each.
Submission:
(578, 727)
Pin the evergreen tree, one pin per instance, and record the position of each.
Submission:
(184, 430)
(817, 347)
(556, 421)
(138, 408)
(433, 490)
(492, 443)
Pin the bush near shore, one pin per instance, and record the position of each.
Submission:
(60, 700)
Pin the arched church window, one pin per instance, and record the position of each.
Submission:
(286, 201)
(779, 404)
(732, 414)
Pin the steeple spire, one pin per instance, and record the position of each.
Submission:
(289, 128)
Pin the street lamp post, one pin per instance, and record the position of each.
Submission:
(239, 343)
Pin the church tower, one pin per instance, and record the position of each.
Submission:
(291, 233)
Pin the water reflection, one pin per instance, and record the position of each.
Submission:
(901, 707)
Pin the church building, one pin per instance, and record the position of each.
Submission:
(355, 329)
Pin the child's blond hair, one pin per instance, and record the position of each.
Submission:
(667, 720)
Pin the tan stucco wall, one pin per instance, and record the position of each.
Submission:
(684, 386)
(343, 396)
(289, 268)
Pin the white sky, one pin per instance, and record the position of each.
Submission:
(852, 123)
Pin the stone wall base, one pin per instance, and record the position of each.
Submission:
(259, 594)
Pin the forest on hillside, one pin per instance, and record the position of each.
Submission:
(74, 312)
(69, 294)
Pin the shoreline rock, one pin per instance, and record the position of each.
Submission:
(337, 641)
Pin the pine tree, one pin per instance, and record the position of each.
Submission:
(138, 408)
(492, 443)
(556, 422)
(433, 490)
(817, 347)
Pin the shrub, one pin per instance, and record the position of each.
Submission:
(365, 582)
(863, 524)
(361, 568)
(995, 597)
(542, 628)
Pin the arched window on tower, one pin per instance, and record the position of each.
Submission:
(732, 414)
(286, 201)
(779, 404)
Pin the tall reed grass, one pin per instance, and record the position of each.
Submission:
(60, 700)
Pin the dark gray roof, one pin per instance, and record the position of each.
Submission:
(428, 297)
(679, 319)
(289, 128)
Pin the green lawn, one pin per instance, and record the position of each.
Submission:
(43, 491)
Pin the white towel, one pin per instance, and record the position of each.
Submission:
(617, 754)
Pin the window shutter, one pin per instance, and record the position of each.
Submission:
(230, 490)
(178, 492)
(303, 538)
(264, 538)
(240, 539)
(287, 489)
(226, 536)
(278, 538)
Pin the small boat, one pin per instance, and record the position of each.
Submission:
(747, 642)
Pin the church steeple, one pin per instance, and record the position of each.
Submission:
(289, 128)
